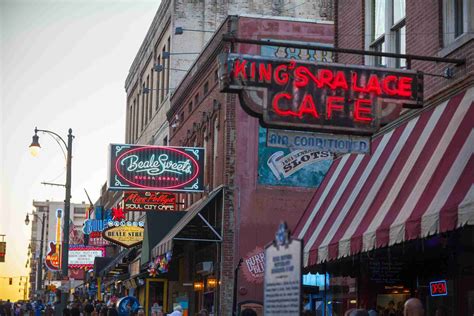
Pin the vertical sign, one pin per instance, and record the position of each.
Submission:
(282, 282)
(3, 249)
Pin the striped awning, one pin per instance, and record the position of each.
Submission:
(417, 182)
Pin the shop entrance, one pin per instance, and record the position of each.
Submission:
(156, 292)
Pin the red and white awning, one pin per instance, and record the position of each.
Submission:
(417, 182)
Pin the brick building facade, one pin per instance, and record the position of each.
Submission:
(202, 115)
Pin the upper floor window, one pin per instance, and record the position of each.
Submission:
(386, 31)
(458, 16)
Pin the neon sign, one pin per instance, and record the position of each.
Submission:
(438, 288)
(156, 168)
(149, 201)
(52, 257)
(317, 96)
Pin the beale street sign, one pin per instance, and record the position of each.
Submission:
(323, 97)
(149, 201)
(156, 168)
(125, 234)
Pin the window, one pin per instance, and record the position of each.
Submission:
(190, 107)
(165, 141)
(216, 76)
(386, 31)
(158, 91)
(196, 99)
(206, 87)
(458, 21)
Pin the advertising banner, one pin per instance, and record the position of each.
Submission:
(81, 256)
(149, 201)
(156, 168)
(286, 167)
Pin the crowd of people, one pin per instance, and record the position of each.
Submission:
(75, 308)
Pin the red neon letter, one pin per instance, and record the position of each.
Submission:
(340, 80)
(239, 69)
(308, 107)
(252, 70)
(325, 77)
(332, 106)
(284, 76)
(404, 86)
(276, 108)
(360, 110)
(301, 77)
(373, 85)
(265, 73)
(386, 85)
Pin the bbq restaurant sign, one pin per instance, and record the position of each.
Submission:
(156, 168)
(324, 97)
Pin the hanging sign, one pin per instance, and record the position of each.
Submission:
(282, 275)
(52, 257)
(149, 201)
(81, 256)
(324, 97)
(156, 168)
(125, 233)
(3, 249)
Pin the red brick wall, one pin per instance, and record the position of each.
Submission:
(424, 37)
(349, 29)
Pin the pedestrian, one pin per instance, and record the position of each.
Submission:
(38, 308)
(248, 312)
(203, 312)
(75, 310)
(413, 307)
(112, 311)
(88, 308)
(177, 311)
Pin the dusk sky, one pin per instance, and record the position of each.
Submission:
(63, 65)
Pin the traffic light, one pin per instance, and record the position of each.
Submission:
(10, 281)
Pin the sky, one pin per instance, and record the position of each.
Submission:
(63, 64)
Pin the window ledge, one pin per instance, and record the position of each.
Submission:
(458, 42)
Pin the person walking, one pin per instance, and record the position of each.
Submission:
(177, 311)
(413, 307)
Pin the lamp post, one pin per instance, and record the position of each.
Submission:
(39, 283)
(34, 148)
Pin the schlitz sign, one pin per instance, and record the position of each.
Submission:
(322, 97)
(156, 168)
(149, 201)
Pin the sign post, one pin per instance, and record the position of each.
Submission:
(282, 282)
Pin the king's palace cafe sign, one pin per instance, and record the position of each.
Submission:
(322, 97)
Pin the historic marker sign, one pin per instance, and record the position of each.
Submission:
(126, 234)
(323, 97)
(156, 168)
(282, 275)
(149, 201)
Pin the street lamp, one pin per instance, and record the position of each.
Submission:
(34, 147)
(39, 283)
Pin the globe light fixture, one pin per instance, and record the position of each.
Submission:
(35, 146)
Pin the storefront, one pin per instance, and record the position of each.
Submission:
(193, 245)
(394, 224)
